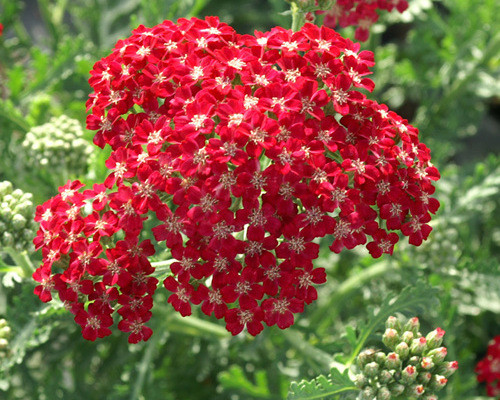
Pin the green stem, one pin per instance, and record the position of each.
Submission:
(165, 263)
(145, 365)
(195, 326)
(298, 17)
(345, 288)
(14, 118)
(162, 268)
(324, 360)
(22, 260)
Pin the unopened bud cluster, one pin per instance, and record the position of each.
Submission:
(4, 338)
(58, 144)
(415, 367)
(17, 212)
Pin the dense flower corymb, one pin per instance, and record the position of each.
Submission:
(244, 150)
(360, 13)
(488, 369)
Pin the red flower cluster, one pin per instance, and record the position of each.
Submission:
(360, 13)
(1, 29)
(245, 150)
(488, 369)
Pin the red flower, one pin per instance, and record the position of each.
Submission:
(247, 149)
(94, 324)
(360, 13)
(488, 369)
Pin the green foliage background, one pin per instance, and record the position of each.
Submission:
(438, 65)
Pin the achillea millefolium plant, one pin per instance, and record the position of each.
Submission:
(246, 150)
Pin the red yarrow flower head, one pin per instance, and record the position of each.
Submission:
(360, 13)
(237, 153)
(488, 368)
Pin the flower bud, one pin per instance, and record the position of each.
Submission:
(438, 355)
(384, 393)
(58, 144)
(427, 363)
(435, 338)
(402, 350)
(393, 323)
(430, 397)
(17, 214)
(418, 346)
(386, 376)
(448, 368)
(417, 390)
(438, 382)
(368, 393)
(371, 369)
(360, 381)
(365, 357)
(413, 325)
(414, 360)
(393, 361)
(409, 375)
(390, 338)
(380, 358)
(3, 343)
(397, 389)
(424, 377)
(407, 337)
(5, 332)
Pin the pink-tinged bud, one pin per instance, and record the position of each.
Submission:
(438, 355)
(407, 337)
(431, 397)
(435, 338)
(409, 375)
(402, 350)
(418, 346)
(424, 377)
(427, 363)
(390, 338)
(413, 325)
(414, 360)
(448, 368)
(393, 361)
(393, 322)
(418, 390)
(439, 382)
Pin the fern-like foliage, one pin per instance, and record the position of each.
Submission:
(338, 385)
(323, 387)
(412, 299)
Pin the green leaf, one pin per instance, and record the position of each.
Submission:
(322, 387)
(412, 298)
(235, 379)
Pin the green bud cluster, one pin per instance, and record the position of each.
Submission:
(4, 338)
(413, 368)
(17, 226)
(58, 145)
